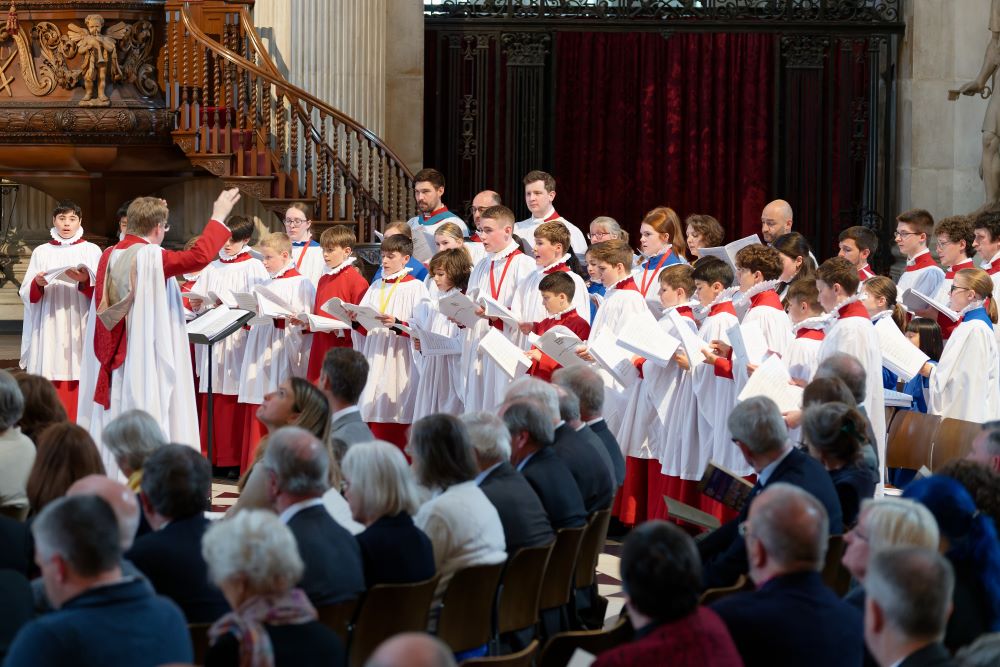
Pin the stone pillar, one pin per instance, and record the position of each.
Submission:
(939, 140)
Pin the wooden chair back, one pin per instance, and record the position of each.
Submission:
(560, 647)
(953, 440)
(338, 617)
(714, 594)
(522, 658)
(466, 619)
(591, 547)
(835, 575)
(521, 588)
(199, 641)
(561, 571)
(911, 438)
(386, 610)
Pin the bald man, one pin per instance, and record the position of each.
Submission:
(775, 220)
(786, 540)
(412, 649)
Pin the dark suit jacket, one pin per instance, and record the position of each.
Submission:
(853, 484)
(723, 554)
(556, 488)
(16, 550)
(601, 430)
(932, 655)
(697, 640)
(171, 559)
(303, 645)
(395, 551)
(332, 557)
(794, 620)
(351, 429)
(584, 454)
(525, 523)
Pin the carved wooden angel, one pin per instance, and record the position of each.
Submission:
(99, 52)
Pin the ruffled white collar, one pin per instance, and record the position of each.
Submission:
(503, 254)
(846, 302)
(561, 260)
(340, 267)
(189, 277)
(881, 315)
(972, 306)
(725, 295)
(819, 322)
(70, 241)
(760, 287)
(398, 274)
(281, 272)
(556, 316)
(226, 257)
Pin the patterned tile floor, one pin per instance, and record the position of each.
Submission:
(224, 494)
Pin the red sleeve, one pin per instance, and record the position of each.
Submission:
(178, 262)
(36, 292)
(638, 362)
(544, 367)
(400, 332)
(86, 288)
(724, 368)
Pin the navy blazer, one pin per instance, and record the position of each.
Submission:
(794, 620)
(395, 551)
(723, 554)
(584, 454)
(171, 559)
(525, 523)
(610, 442)
(853, 483)
(16, 546)
(332, 557)
(556, 488)
(932, 655)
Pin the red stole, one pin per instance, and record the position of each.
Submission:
(767, 298)
(724, 307)
(952, 270)
(853, 309)
(627, 284)
(557, 268)
(923, 261)
(811, 334)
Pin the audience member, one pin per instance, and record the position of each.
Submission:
(585, 457)
(462, 524)
(572, 434)
(661, 576)
(986, 446)
(334, 499)
(17, 451)
(969, 541)
(66, 453)
(588, 386)
(18, 608)
(786, 534)
(345, 373)
(834, 433)
(412, 649)
(131, 438)
(525, 523)
(531, 453)
(984, 652)
(909, 591)
(42, 406)
(982, 483)
(297, 466)
(176, 487)
(383, 498)
(102, 618)
(852, 373)
(252, 557)
(15, 546)
(758, 429)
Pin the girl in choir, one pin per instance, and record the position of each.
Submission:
(965, 383)
(449, 235)
(879, 297)
(56, 307)
(440, 388)
(925, 334)
(796, 260)
(307, 255)
(661, 243)
(702, 231)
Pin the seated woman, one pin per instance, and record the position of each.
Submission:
(461, 522)
(969, 542)
(42, 406)
(66, 453)
(131, 438)
(383, 498)
(834, 390)
(834, 433)
(254, 560)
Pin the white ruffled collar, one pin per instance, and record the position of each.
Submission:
(561, 260)
(70, 241)
(190, 277)
(846, 302)
(972, 306)
(760, 287)
(226, 257)
(281, 272)
(503, 254)
(882, 314)
(725, 295)
(398, 274)
(556, 316)
(340, 267)
(692, 304)
(819, 322)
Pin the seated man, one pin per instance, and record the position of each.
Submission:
(758, 429)
(343, 378)
(907, 603)
(589, 388)
(297, 466)
(986, 446)
(792, 618)
(661, 575)
(525, 523)
(176, 487)
(102, 618)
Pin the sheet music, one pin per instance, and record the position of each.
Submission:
(690, 341)
(335, 307)
(322, 324)
(913, 301)
(749, 346)
(899, 355)
(727, 253)
(896, 399)
(496, 309)
(246, 301)
(581, 658)
(771, 379)
(644, 336)
(368, 317)
(206, 299)
(214, 321)
(459, 308)
(614, 359)
(60, 274)
(223, 296)
(272, 305)
(561, 344)
(509, 357)
(434, 344)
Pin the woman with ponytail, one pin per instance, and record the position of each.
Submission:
(879, 298)
(834, 434)
(969, 541)
(965, 384)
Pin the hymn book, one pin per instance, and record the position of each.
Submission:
(508, 356)
(60, 274)
(647, 338)
(690, 341)
(899, 355)
(725, 486)
(771, 379)
(561, 344)
(727, 253)
(215, 324)
(459, 308)
(913, 301)
(612, 358)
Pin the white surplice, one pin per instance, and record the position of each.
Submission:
(439, 389)
(526, 230)
(921, 274)
(424, 245)
(527, 303)
(307, 257)
(965, 383)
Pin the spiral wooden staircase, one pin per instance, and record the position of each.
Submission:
(237, 117)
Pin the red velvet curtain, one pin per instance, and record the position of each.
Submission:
(642, 120)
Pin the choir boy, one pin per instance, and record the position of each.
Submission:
(857, 244)
(551, 243)
(389, 398)
(955, 240)
(56, 310)
(275, 348)
(808, 327)
(557, 295)
(417, 269)
(343, 280)
(234, 270)
(987, 245)
(913, 231)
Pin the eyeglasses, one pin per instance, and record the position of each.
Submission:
(903, 235)
(599, 235)
(289, 222)
(956, 287)
(478, 209)
(941, 243)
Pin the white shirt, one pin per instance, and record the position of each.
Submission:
(292, 510)
(769, 469)
(344, 412)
